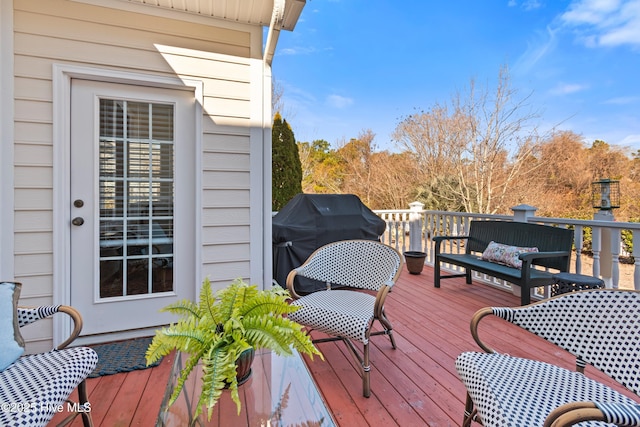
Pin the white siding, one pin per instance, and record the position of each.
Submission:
(48, 32)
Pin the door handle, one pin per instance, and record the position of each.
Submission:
(77, 220)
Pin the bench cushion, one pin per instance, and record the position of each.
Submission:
(505, 254)
(508, 391)
(11, 342)
(37, 384)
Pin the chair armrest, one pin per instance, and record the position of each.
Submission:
(381, 296)
(475, 320)
(620, 414)
(27, 315)
(290, 283)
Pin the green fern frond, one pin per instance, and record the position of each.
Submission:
(228, 300)
(157, 350)
(269, 332)
(207, 301)
(267, 303)
(217, 367)
(184, 339)
(191, 362)
(185, 308)
(301, 341)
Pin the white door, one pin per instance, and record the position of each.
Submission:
(132, 205)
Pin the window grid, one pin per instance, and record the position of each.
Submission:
(136, 197)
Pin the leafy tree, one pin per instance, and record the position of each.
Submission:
(286, 180)
(321, 168)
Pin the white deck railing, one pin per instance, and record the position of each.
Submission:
(413, 230)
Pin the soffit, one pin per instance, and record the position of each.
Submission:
(254, 12)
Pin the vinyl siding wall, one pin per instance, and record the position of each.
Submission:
(66, 32)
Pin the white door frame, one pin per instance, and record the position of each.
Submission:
(62, 76)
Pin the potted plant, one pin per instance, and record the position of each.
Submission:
(222, 327)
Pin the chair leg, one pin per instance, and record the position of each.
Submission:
(469, 412)
(387, 329)
(392, 338)
(366, 373)
(84, 402)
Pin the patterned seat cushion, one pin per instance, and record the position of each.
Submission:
(336, 312)
(510, 391)
(36, 384)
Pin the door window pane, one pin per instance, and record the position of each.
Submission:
(136, 197)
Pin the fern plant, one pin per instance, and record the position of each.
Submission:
(220, 327)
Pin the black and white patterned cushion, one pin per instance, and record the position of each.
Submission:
(34, 385)
(337, 312)
(511, 391)
(599, 327)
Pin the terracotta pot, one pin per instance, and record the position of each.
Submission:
(415, 261)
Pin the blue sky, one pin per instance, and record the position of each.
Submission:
(352, 65)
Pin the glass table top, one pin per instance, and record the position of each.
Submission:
(280, 392)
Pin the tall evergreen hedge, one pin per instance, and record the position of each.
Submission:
(286, 179)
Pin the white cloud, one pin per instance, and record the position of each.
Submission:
(298, 50)
(605, 22)
(526, 4)
(623, 100)
(568, 88)
(537, 49)
(338, 101)
(531, 5)
(631, 141)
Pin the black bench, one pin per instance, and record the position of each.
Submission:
(554, 245)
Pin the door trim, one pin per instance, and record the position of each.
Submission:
(62, 76)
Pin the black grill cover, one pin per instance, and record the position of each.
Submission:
(309, 221)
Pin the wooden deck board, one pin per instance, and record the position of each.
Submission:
(415, 384)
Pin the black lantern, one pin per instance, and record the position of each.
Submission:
(605, 194)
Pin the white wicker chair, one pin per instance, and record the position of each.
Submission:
(346, 311)
(36, 385)
(599, 327)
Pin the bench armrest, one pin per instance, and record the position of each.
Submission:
(27, 315)
(439, 239)
(529, 256)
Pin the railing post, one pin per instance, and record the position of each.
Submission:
(578, 241)
(522, 212)
(415, 226)
(596, 244)
(606, 257)
(636, 263)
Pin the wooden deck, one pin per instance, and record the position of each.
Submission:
(416, 384)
